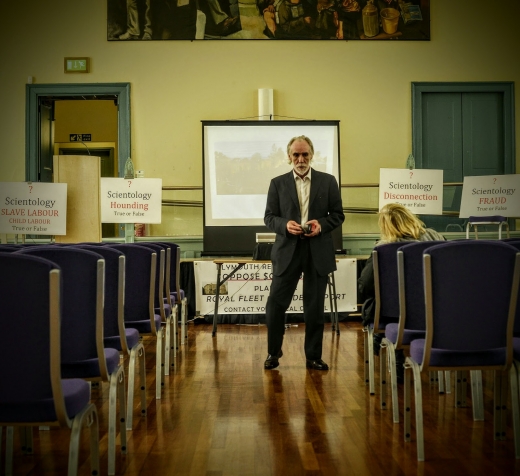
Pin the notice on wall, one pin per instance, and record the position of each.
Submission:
(489, 195)
(246, 292)
(131, 200)
(419, 190)
(33, 208)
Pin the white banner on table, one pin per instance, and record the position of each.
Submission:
(248, 289)
(419, 190)
(33, 208)
(487, 195)
(131, 200)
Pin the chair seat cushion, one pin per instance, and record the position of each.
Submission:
(392, 329)
(76, 393)
(167, 310)
(89, 368)
(144, 327)
(132, 337)
(174, 295)
(457, 358)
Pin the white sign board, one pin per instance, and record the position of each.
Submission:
(419, 190)
(131, 200)
(489, 195)
(246, 292)
(33, 208)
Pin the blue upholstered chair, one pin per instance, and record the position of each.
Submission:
(33, 391)
(7, 248)
(161, 305)
(177, 294)
(170, 308)
(412, 323)
(471, 290)
(140, 295)
(386, 303)
(116, 335)
(83, 352)
(515, 368)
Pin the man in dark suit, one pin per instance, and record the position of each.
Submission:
(303, 207)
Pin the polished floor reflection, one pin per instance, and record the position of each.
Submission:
(221, 413)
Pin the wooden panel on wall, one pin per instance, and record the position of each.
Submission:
(82, 174)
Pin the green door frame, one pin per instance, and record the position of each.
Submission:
(34, 92)
(507, 90)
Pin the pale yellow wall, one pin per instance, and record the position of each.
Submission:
(176, 84)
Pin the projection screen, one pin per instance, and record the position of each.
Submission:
(239, 160)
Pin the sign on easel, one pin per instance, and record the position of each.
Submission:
(131, 200)
(33, 208)
(487, 195)
(246, 292)
(419, 190)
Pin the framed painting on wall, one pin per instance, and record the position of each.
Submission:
(137, 20)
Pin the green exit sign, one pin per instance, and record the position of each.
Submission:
(77, 65)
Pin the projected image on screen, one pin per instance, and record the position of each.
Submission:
(240, 159)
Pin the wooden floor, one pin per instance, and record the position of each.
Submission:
(222, 414)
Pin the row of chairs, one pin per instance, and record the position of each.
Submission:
(108, 297)
(451, 307)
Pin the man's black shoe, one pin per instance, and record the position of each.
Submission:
(272, 361)
(317, 365)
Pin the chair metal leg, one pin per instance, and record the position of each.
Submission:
(515, 406)
(184, 321)
(477, 395)
(407, 401)
(447, 380)
(369, 359)
(116, 392)
(88, 417)
(393, 380)
(419, 430)
(460, 389)
(365, 355)
(159, 366)
(383, 374)
(136, 354)
(167, 345)
(440, 380)
(174, 345)
(9, 436)
(500, 404)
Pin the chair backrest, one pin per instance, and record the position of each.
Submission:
(159, 273)
(167, 269)
(471, 291)
(516, 330)
(31, 357)
(175, 267)
(8, 248)
(140, 275)
(83, 274)
(114, 324)
(411, 285)
(386, 284)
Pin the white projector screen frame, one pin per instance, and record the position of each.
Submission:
(239, 160)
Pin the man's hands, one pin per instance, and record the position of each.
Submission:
(295, 229)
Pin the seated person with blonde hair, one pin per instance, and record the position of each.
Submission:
(396, 223)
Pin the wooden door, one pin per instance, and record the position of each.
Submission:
(465, 129)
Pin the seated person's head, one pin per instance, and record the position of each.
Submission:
(396, 221)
